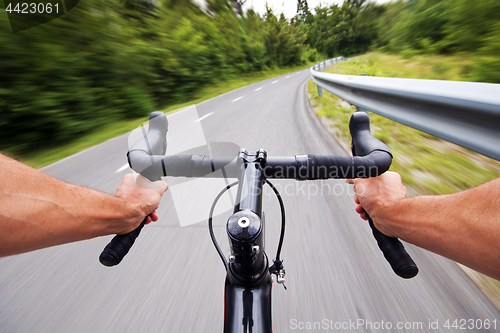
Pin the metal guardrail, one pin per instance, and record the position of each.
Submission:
(326, 63)
(465, 113)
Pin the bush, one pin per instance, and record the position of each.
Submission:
(486, 69)
(407, 52)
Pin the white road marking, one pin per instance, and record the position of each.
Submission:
(237, 99)
(274, 82)
(122, 168)
(258, 89)
(204, 117)
(287, 77)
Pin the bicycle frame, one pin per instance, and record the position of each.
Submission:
(248, 281)
(248, 285)
(247, 309)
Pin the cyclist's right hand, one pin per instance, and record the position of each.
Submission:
(143, 196)
(374, 194)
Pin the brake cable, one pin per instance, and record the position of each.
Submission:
(277, 267)
(210, 228)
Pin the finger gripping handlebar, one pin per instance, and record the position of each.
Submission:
(119, 246)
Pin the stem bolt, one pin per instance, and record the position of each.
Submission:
(244, 222)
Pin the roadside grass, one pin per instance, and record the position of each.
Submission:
(49, 155)
(428, 165)
(431, 67)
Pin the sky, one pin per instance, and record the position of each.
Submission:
(288, 7)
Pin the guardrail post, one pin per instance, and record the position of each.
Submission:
(320, 91)
(357, 107)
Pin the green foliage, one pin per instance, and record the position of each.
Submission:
(65, 77)
(445, 27)
(486, 69)
(310, 54)
(107, 61)
(337, 30)
(440, 26)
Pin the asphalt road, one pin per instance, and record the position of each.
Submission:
(172, 280)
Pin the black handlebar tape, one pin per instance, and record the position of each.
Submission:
(395, 253)
(119, 246)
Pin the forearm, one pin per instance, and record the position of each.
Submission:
(38, 211)
(464, 227)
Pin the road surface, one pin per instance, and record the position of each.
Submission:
(172, 280)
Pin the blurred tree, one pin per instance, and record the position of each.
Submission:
(238, 5)
(438, 26)
(302, 10)
(108, 60)
(348, 29)
(471, 24)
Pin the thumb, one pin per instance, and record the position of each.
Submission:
(143, 182)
